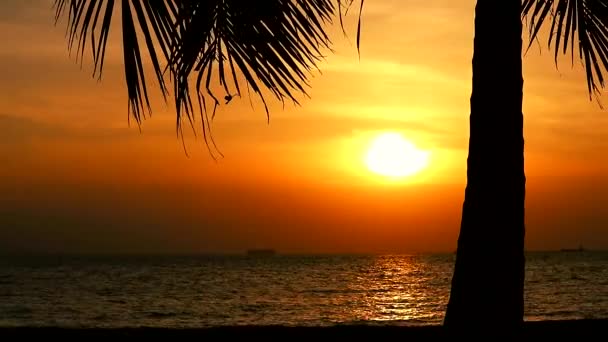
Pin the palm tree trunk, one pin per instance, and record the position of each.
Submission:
(488, 281)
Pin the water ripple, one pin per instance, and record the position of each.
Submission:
(288, 290)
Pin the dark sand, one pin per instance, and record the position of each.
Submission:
(576, 330)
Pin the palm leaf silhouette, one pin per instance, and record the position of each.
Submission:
(581, 24)
(274, 46)
(89, 23)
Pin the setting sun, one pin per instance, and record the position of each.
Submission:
(391, 155)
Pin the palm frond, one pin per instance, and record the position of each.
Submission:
(89, 23)
(575, 24)
(269, 46)
(273, 45)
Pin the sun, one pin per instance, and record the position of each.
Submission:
(391, 155)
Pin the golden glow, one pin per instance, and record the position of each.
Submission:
(393, 156)
(306, 169)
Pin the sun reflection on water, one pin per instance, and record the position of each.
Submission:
(286, 290)
(398, 288)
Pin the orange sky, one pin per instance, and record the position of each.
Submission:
(77, 178)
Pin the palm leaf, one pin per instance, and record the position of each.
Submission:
(575, 25)
(89, 23)
(272, 46)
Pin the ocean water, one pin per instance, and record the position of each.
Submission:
(201, 291)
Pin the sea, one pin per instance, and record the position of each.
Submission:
(315, 290)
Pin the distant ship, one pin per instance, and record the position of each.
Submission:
(579, 249)
(261, 252)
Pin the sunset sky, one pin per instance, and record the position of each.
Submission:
(76, 178)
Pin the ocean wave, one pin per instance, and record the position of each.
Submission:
(289, 291)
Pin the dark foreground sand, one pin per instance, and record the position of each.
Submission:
(571, 330)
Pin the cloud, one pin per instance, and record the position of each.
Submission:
(24, 11)
(573, 137)
(16, 130)
(23, 130)
(387, 70)
(307, 128)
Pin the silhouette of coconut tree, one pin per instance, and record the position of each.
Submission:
(272, 46)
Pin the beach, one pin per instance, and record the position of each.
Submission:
(577, 330)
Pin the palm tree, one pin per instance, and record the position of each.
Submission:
(272, 46)
(488, 282)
